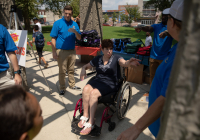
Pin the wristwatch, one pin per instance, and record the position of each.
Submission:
(17, 72)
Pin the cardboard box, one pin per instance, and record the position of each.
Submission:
(135, 74)
(147, 79)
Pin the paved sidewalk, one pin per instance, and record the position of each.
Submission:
(58, 111)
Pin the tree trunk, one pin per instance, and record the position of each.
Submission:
(181, 117)
(26, 17)
(91, 15)
(4, 13)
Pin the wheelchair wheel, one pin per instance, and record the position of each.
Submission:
(123, 100)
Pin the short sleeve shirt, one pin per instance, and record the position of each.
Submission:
(160, 84)
(40, 27)
(64, 40)
(6, 45)
(148, 40)
(160, 47)
(108, 73)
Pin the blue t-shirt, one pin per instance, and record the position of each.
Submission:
(64, 40)
(6, 45)
(160, 84)
(160, 46)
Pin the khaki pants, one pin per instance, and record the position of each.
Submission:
(6, 80)
(154, 63)
(66, 61)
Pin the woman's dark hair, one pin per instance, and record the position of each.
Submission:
(36, 27)
(177, 22)
(106, 43)
(16, 113)
(68, 7)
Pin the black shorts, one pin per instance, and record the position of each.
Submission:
(39, 51)
(102, 87)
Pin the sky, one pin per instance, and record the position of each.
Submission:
(113, 4)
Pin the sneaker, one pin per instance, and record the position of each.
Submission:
(75, 88)
(62, 92)
(46, 65)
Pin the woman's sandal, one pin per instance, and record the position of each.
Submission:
(82, 122)
(87, 125)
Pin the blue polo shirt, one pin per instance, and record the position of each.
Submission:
(160, 46)
(160, 84)
(6, 45)
(64, 40)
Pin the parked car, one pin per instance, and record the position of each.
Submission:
(47, 23)
(106, 24)
(127, 25)
(141, 25)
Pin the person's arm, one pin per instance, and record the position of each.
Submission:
(13, 58)
(145, 29)
(83, 70)
(151, 115)
(131, 62)
(164, 34)
(78, 36)
(53, 45)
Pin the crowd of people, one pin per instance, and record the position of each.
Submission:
(20, 112)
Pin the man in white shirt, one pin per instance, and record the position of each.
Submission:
(148, 40)
(36, 22)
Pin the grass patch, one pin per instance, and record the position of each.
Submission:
(108, 33)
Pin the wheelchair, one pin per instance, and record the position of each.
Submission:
(115, 102)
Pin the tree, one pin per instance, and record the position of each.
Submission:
(75, 5)
(159, 4)
(122, 17)
(114, 16)
(105, 17)
(29, 10)
(56, 6)
(133, 13)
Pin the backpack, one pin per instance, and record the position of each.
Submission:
(133, 47)
(39, 39)
(89, 39)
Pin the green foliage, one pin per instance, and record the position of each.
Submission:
(159, 4)
(105, 17)
(75, 5)
(122, 17)
(133, 13)
(56, 6)
(29, 10)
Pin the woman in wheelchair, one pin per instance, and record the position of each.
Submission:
(105, 81)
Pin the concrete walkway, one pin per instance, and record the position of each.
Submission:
(58, 111)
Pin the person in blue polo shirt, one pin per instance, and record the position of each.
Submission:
(161, 46)
(7, 45)
(64, 33)
(160, 82)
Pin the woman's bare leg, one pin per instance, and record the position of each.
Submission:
(85, 97)
(93, 101)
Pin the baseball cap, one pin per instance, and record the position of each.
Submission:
(176, 9)
(35, 18)
(166, 11)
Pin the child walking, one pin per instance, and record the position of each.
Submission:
(39, 40)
